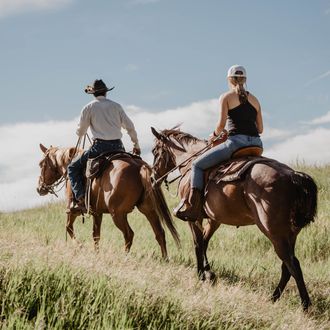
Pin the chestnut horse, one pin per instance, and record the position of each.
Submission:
(279, 200)
(125, 183)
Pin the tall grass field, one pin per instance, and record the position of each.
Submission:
(50, 282)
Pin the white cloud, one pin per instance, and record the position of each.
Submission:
(19, 168)
(19, 145)
(271, 133)
(197, 118)
(311, 148)
(9, 7)
(322, 120)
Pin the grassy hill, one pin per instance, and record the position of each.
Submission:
(48, 282)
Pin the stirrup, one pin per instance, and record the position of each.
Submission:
(181, 209)
(77, 207)
(177, 209)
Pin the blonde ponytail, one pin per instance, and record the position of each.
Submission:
(238, 83)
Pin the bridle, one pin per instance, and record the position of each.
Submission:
(166, 153)
(59, 177)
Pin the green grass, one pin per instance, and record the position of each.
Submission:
(50, 283)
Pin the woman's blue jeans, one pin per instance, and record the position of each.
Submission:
(219, 154)
(78, 165)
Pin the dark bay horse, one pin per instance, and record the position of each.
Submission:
(279, 200)
(126, 183)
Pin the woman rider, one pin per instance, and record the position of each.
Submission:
(240, 112)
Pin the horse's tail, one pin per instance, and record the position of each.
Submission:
(305, 203)
(158, 202)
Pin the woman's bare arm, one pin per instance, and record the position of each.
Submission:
(223, 115)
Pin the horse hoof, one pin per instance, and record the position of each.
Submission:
(210, 276)
(207, 276)
(306, 305)
(202, 277)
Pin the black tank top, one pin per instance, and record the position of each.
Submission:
(242, 120)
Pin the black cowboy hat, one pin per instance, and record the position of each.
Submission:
(97, 86)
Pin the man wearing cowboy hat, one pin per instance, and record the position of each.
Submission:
(105, 118)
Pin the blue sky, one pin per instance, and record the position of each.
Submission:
(162, 54)
(168, 60)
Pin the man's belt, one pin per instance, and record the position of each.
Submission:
(101, 140)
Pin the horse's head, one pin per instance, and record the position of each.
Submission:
(172, 148)
(163, 156)
(50, 171)
(165, 151)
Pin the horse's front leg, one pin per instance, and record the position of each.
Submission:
(197, 233)
(71, 217)
(208, 232)
(97, 221)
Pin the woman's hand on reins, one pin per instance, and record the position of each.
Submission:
(218, 137)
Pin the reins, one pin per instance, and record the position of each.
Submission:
(197, 153)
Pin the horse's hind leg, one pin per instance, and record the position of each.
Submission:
(97, 221)
(120, 220)
(285, 276)
(153, 219)
(285, 251)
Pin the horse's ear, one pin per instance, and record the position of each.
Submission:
(177, 127)
(158, 135)
(72, 151)
(42, 147)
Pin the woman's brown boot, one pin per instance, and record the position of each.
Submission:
(191, 210)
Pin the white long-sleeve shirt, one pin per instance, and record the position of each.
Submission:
(105, 119)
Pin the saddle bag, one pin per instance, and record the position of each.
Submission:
(94, 167)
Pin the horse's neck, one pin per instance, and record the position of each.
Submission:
(191, 148)
(63, 159)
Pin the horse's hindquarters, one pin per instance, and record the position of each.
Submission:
(119, 188)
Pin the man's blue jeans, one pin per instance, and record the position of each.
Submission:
(78, 165)
(219, 154)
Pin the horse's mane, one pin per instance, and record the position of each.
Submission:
(179, 136)
(61, 156)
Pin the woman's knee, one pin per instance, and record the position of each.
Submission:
(197, 164)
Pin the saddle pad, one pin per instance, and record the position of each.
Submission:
(234, 169)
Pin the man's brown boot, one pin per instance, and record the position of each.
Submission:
(192, 210)
(78, 206)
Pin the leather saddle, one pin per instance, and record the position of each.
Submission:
(96, 166)
(233, 169)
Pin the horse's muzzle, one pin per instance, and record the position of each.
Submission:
(42, 191)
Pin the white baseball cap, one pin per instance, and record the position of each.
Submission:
(236, 71)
